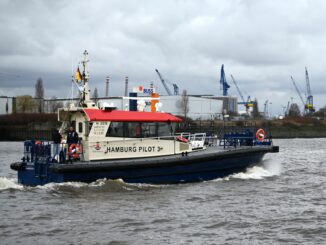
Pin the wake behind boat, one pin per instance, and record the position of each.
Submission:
(136, 146)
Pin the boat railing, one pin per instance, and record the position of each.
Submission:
(243, 137)
(49, 152)
(168, 137)
(197, 140)
(185, 135)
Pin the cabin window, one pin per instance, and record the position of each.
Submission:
(165, 129)
(133, 130)
(115, 129)
(80, 127)
(88, 127)
(139, 129)
(149, 130)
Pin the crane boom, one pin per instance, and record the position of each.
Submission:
(298, 91)
(236, 85)
(163, 82)
(176, 89)
(224, 85)
(308, 83)
(310, 102)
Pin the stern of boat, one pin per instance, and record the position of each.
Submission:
(35, 166)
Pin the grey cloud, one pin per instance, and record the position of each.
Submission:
(261, 43)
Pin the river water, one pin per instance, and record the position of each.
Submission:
(284, 201)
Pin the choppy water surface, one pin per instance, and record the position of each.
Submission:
(282, 202)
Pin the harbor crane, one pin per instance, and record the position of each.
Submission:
(298, 91)
(175, 89)
(224, 85)
(247, 103)
(309, 103)
(175, 86)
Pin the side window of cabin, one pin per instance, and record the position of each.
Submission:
(80, 127)
(89, 126)
(115, 130)
(125, 129)
(163, 129)
(149, 130)
(139, 129)
(133, 130)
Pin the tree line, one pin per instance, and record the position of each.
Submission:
(38, 103)
(28, 103)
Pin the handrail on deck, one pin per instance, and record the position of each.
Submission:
(49, 152)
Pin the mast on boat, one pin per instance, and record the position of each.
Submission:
(85, 100)
(85, 93)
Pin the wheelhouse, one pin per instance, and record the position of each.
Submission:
(105, 134)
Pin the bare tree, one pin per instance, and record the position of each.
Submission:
(95, 95)
(321, 113)
(54, 104)
(39, 94)
(294, 110)
(26, 103)
(183, 104)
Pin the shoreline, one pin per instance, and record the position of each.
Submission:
(19, 127)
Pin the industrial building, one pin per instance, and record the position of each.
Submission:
(229, 103)
(6, 105)
(199, 107)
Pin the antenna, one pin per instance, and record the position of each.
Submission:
(85, 78)
(126, 86)
(72, 79)
(107, 86)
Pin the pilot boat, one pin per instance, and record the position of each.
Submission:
(137, 147)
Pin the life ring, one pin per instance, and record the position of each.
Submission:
(260, 135)
(181, 139)
(75, 150)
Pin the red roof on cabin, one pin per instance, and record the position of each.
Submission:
(129, 116)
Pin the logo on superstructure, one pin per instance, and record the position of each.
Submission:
(97, 146)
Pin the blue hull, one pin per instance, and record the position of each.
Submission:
(179, 170)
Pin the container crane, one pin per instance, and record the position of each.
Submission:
(247, 103)
(224, 85)
(309, 104)
(175, 87)
(298, 91)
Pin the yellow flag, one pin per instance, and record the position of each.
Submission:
(78, 75)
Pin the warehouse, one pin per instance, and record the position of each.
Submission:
(199, 107)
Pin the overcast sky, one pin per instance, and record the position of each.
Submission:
(260, 42)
